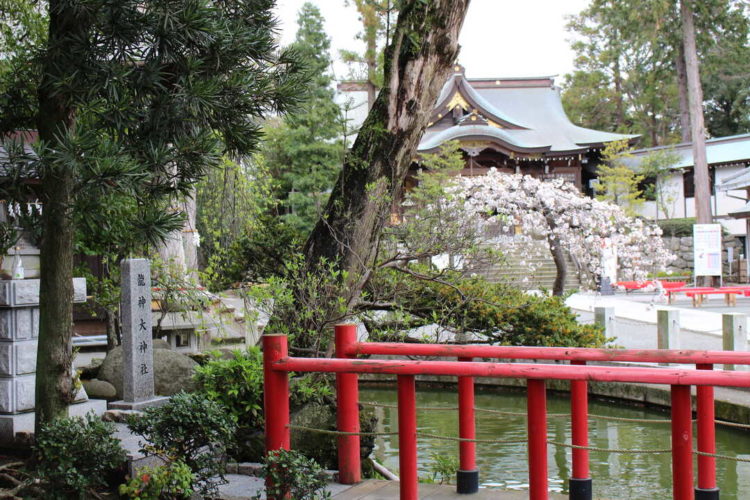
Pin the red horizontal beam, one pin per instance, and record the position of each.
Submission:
(518, 370)
(552, 353)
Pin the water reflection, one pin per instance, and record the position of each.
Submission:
(621, 476)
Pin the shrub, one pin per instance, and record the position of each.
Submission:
(172, 481)
(237, 384)
(192, 429)
(494, 311)
(75, 455)
(294, 476)
(677, 227)
(443, 468)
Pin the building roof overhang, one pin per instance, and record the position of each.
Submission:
(522, 115)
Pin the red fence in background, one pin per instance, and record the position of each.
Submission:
(278, 364)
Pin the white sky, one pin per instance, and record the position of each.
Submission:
(500, 38)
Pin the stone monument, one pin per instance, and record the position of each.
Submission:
(137, 342)
(19, 332)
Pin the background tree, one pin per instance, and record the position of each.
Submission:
(656, 168)
(695, 108)
(618, 183)
(630, 74)
(304, 151)
(417, 62)
(136, 98)
(377, 18)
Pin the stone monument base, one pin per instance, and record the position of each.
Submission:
(139, 405)
(11, 425)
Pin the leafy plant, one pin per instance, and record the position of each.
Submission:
(8, 237)
(443, 467)
(236, 383)
(496, 312)
(172, 481)
(292, 475)
(192, 429)
(75, 455)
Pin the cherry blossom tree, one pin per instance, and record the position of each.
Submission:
(557, 212)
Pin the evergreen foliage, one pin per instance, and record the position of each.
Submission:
(626, 76)
(303, 151)
(134, 102)
(75, 455)
(618, 183)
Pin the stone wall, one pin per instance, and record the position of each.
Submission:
(682, 247)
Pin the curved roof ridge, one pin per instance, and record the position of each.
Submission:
(458, 83)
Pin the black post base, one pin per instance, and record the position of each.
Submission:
(467, 481)
(711, 494)
(581, 489)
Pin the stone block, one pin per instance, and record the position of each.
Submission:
(17, 358)
(25, 293)
(17, 394)
(19, 324)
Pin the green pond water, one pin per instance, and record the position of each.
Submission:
(504, 466)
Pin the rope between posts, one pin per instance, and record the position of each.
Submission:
(555, 415)
(340, 433)
(517, 441)
(721, 457)
(522, 414)
(610, 450)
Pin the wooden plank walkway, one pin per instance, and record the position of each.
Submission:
(378, 489)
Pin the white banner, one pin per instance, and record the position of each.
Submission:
(707, 249)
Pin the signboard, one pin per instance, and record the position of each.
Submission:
(707, 249)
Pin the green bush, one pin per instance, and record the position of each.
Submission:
(172, 481)
(497, 312)
(192, 429)
(294, 476)
(677, 227)
(75, 455)
(237, 384)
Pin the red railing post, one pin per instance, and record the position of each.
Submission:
(536, 394)
(580, 484)
(347, 415)
(407, 438)
(467, 476)
(707, 489)
(275, 395)
(682, 443)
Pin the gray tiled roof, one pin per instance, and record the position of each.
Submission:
(531, 106)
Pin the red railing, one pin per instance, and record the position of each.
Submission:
(278, 364)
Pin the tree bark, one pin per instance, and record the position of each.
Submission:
(697, 128)
(682, 88)
(54, 380)
(418, 62)
(558, 256)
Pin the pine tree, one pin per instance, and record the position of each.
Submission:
(136, 98)
(304, 151)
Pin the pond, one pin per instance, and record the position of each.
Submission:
(504, 466)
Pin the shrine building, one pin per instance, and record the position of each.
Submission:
(517, 125)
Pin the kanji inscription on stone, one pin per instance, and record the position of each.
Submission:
(137, 345)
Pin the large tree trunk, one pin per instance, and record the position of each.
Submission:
(54, 381)
(418, 62)
(697, 128)
(682, 88)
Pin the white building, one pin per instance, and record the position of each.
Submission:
(727, 158)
